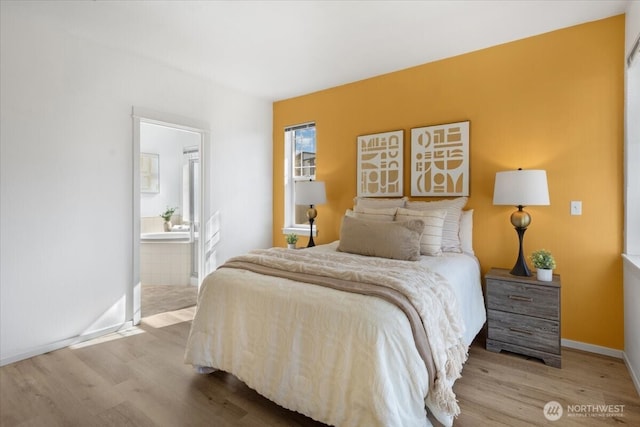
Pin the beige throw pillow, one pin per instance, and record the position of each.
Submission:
(395, 240)
(431, 241)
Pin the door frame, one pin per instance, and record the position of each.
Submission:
(143, 115)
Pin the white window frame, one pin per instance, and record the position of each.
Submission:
(289, 183)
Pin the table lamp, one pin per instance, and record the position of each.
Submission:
(521, 188)
(310, 193)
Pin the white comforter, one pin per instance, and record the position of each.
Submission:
(348, 361)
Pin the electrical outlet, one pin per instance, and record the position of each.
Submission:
(576, 207)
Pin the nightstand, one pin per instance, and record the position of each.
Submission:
(523, 315)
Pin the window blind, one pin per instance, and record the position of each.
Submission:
(300, 127)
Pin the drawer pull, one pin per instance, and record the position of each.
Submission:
(519, 298)
(521, 331)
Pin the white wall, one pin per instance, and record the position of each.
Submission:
(66, 176)
(632, 25)
(632, 202)
(632, 134)
(632, 318)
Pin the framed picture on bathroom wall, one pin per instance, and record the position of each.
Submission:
(149, 173)
(379, 165)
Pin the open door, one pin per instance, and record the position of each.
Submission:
(197, 208)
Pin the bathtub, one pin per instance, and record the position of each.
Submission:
(165, 258)
(170, 236)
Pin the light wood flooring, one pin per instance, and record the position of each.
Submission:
(137, 378)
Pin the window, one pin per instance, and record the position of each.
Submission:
(299, 165)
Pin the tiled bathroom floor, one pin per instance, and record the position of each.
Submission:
(162, 298)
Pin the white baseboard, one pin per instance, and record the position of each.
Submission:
(36, 351)
(634, 375)
(592, 348)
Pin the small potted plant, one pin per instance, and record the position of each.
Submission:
(292, 239)
(544, 263)
(166, 215)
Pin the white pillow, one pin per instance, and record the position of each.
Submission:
(466, 231)
(450, 233)
(386, 214)
(431, 241)
(379, 203)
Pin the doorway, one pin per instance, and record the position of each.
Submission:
(169, 185)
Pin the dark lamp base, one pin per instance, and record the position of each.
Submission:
(521, 268)
(311, 242)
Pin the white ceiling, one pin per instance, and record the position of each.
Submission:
(281, 49)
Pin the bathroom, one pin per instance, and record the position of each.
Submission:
(169, 184)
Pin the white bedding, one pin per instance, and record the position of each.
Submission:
(343, 359)
(462, 270)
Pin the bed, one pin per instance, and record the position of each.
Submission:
(341, 356)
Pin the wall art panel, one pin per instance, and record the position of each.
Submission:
(440, 160)
(380, 164)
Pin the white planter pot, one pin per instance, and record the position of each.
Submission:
(544, 274)
(291, 245)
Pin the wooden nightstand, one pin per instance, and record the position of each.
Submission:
(523, 315)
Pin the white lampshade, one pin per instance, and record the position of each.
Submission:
(310, 193)
(521, 188)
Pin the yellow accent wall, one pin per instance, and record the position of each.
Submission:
(553, 102)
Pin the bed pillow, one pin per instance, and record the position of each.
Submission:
(386, 214)
(379, 203)
(370, 216)
(466, 231)
(395, 240)
(431, 241)
(451, 230)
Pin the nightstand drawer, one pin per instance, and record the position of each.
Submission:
(531, 300)
(530, 332)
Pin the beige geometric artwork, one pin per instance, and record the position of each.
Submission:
(440, 160)
(149, 173)
(380, 164)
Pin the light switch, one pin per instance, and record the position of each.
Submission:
(576, 207)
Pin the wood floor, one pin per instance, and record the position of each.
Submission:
(137, 378)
